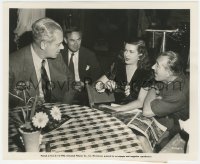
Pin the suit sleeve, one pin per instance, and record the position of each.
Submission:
(11, 88)
(13, 102)
(11, 79)
(169, 104)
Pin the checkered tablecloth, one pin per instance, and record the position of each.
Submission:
(91, 130)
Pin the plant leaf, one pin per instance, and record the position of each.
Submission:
(16, 121)
(27, 113)
(33, 108)
(24, 96)
(24, 113)
(16, 96)
(30, 100)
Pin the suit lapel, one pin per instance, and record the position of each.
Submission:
(52, 67)
(64, 53)
(81, 60)
(29, 68)
(81, 64)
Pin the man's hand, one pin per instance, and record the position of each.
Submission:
(157, 93)
(78, 85)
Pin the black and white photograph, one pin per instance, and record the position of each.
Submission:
(76, 70)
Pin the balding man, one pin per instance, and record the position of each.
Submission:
(41, 65)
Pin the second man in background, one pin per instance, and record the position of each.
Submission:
(81, 61)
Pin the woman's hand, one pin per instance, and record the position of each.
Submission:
(109, 108)
(117, 113)
(110, 85)
(127, 90)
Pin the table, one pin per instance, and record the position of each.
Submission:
(91, 130)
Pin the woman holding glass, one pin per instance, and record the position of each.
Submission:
(129, 77)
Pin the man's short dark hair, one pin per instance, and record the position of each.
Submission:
(174, 63)
(73, 29)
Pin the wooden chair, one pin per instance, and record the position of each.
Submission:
(96, 98)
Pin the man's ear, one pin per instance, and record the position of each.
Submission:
(43, 45)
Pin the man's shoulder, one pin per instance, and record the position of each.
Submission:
(177, 89)
(18, 56)
(58, 61)
(181, 82)
(64, 50)
(19, 53)
(86, 51)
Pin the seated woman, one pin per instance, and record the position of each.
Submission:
(130, 77)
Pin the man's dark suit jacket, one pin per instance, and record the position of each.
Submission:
(21, 68)
(88, 64)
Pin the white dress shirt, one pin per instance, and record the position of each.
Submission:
(75, 61)
(37, 61)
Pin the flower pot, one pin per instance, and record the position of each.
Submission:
(31, 140)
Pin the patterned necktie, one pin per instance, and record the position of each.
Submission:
(71, 64)
(46, 88)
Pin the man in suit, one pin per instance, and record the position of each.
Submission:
(81, 61)
(41, 65)
(85, 62)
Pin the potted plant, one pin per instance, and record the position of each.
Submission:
(34, 118)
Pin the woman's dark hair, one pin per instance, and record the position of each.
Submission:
(143, 62)
(174, 63)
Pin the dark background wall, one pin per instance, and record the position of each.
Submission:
(105, 30)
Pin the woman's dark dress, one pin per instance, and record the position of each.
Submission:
(141, 78)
